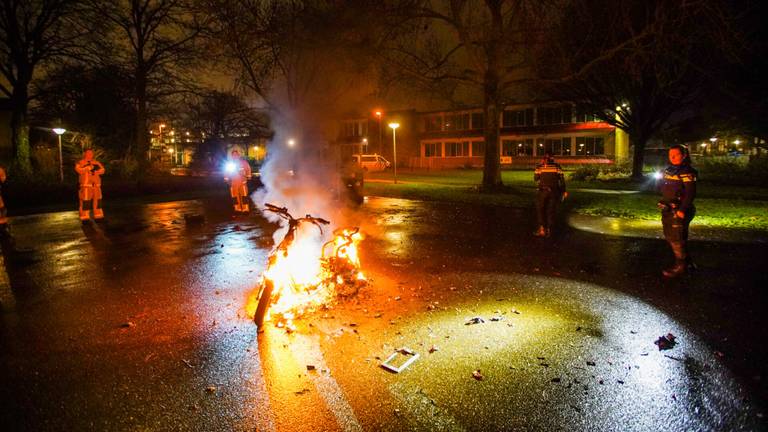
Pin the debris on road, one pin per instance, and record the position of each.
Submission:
(186, 362)
(497, 318)
(301, 392)
(210, 389)
(666, 342)
(433, 349)
(477, 375)
(555, 380)
(310, 367)
(128, 324)
(590, 363)
(391, 363)
(474, 320)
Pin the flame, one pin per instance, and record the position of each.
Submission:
(305, 279)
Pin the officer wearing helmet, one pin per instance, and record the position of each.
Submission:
(90, 171)
(237, 173)
(678, 190)
(551, 191)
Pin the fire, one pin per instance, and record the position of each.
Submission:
(306, 274)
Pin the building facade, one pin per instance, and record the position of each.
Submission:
(454, 138)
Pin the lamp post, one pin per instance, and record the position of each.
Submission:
(378, 115)
(394, 127)
(59, 132)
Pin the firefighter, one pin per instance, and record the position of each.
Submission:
(237, 173)
(551, 191)
(3, 211)
(90, 171)
(678, 189)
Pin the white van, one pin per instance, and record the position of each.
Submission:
(371, 162)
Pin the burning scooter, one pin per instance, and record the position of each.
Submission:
(300, 276)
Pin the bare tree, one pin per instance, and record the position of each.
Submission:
(220, 115)
(32, 34)
(155, 42)
(637, 63)
(472, 51)
(299, 58)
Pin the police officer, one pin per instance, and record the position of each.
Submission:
(678, 189)
(551, 184)
(238, 172)
(352, 179)
(90, 171)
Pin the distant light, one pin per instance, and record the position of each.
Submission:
(737, 142)
(365, 140)
(658, 175)
(713, 139)
(394, 125)
(291, 142)
(230, 167)
(170, 150)
(377, 113)
(59, 131)
(618, 108)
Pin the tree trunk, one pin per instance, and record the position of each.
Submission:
(491, 109)
(638, 155)
(20, 128)
(142, 139)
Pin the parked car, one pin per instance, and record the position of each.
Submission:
(371, 162)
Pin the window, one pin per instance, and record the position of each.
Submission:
(524, 147)
(478, 148)
(433, 123)
(556, 146)
(507, 148)
(355, 128)
(517, 118)
(456, 149)
(433, 150)
(457, 122)
(478, 120)
(582, 116)
(589, 146)
(554, 115)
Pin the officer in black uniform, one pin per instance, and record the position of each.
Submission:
(551, 184)
(678, 189)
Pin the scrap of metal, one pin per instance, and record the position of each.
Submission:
(413, 356)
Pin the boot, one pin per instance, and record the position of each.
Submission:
(680, 267)
(541, 232)
(677, 270)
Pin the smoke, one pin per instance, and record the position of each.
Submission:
(300, 175)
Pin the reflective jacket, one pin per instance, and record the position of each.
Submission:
(678, 186)
(550, 176)
(90, 172)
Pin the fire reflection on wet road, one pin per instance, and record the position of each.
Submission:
(139, 324)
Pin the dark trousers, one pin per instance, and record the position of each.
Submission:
(676, 232)
(547, 202)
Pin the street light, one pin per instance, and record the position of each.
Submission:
(378, 115)
(59, 132)
(394, 127)
(364, 143)
(291, 142)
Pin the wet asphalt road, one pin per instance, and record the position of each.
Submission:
(139, 324)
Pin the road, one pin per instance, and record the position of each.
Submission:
(139, 324)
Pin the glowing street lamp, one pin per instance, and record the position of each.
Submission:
(378, 115)
(394, 127)
(291, 142)
(59, 132)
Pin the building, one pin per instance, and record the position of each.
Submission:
(454, 138)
